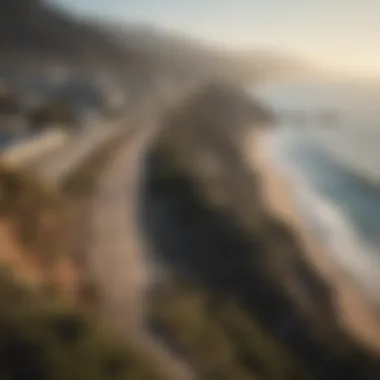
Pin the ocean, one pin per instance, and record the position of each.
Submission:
(333, 166)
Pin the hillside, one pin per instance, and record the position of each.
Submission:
(245, 64)
(37, 28)
(190, 54)
(240, 280)
(30, 27)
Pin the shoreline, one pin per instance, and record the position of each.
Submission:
(355, 312)
(339, 231)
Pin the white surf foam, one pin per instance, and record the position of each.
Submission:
(333, 228)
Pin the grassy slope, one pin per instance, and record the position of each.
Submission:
(219, 338)
(41, 339)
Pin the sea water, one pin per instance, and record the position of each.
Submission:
(334, 169)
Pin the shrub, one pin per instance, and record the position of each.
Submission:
(219, 338)
(40, 340)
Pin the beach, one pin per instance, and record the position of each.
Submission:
(355, 310)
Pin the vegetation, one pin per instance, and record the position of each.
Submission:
(41, 339)
(33, 209)
(33, 27)
(219, 338)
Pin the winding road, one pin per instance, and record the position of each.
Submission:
(56, 164)
(115, 254)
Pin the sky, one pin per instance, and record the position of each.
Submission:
(343, 35)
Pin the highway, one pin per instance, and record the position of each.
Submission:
(116, 252)
(54, 154)
(55, 165)
(24, 151)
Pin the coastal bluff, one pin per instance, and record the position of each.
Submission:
(203, 212)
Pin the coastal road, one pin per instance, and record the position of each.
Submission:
(56, 164)
(115, 253)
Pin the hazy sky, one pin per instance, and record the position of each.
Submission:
(342, 34)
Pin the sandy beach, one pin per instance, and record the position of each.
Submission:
(354, 309)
